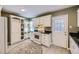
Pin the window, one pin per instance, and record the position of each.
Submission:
(59, 25)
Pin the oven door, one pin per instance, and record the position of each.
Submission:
(37, 38)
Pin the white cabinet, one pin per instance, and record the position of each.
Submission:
(43, 20)
(46, 39)
(47, 20)
(3, 35)
(78, 18)
(73, 46)
(15, 29)
(35, 22)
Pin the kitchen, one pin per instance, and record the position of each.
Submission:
(53, 29)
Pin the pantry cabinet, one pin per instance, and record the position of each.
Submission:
(73, 46)
(15, 29)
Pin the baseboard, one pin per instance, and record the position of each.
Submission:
(68, 48)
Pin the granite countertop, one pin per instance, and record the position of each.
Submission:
(46, 32)
(75, 36)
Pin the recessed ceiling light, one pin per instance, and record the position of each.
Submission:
(22, 9)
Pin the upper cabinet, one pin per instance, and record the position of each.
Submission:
(47, 20)
(73, 46)
(43, 20)
(35, 22)
(78, 18)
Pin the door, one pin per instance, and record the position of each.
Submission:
(15, 30)
(60, 30)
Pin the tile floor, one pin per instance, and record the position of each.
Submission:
(34, 48)
(54, 50)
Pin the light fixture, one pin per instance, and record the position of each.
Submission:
(22, 9)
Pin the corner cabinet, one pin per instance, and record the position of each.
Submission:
(73, 46)
(78, 18)
(46, 39)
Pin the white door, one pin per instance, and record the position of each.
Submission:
(15, 31)
(60, 30)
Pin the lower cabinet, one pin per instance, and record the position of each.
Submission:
(73, 46)
(46, 39)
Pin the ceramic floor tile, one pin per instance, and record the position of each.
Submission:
(34, 48)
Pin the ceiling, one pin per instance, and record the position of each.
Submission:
(33, 10)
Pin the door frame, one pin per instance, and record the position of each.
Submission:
(67, 41)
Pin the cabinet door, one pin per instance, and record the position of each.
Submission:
(15, 31)
(46, 40)
(41, 20)
(47, 20)
(35, 22)
(73, 47)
